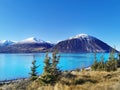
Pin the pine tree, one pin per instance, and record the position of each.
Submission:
(55, 61)
(46, 77)
(95, 64)
(111, 64)
(51, 72)
(33, 73)
(118, 56)
(101, 64)
(118, 61)
(47, 67)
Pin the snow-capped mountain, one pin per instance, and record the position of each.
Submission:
(6, 42)
(82, 43)
(32, 40)
(28, 45)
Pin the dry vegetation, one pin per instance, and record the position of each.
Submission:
(85, 80)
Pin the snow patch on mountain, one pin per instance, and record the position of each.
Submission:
(81, 36)
(6, 42)
(32, 40)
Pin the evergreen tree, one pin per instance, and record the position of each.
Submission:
(95, 64)
(55, 61)
(33, 73)
(101, 64)
(51, 72)
(118, 56)
(46, 77)
(47, 67)
(118, 61)
(111, 64)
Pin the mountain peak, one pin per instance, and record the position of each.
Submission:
(32, 40)
(6, 42)
(80, 36)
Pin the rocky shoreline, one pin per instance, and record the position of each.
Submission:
(26, 79)
(13, 84)
(12, 81)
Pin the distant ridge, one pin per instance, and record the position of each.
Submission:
(81, 43)
(29, 45)
(6, 42)
(31, 40)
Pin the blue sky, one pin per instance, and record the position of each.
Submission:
(55, 20)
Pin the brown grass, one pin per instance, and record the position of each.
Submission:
(85, 80)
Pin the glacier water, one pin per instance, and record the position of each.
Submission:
(14, 66)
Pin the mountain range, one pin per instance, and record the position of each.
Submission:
(81, 43)
(29, 45)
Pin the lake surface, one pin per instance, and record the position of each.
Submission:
(13, 66)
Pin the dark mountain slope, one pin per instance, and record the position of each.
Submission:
(82, 43)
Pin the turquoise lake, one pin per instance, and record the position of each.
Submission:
(13, 66)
